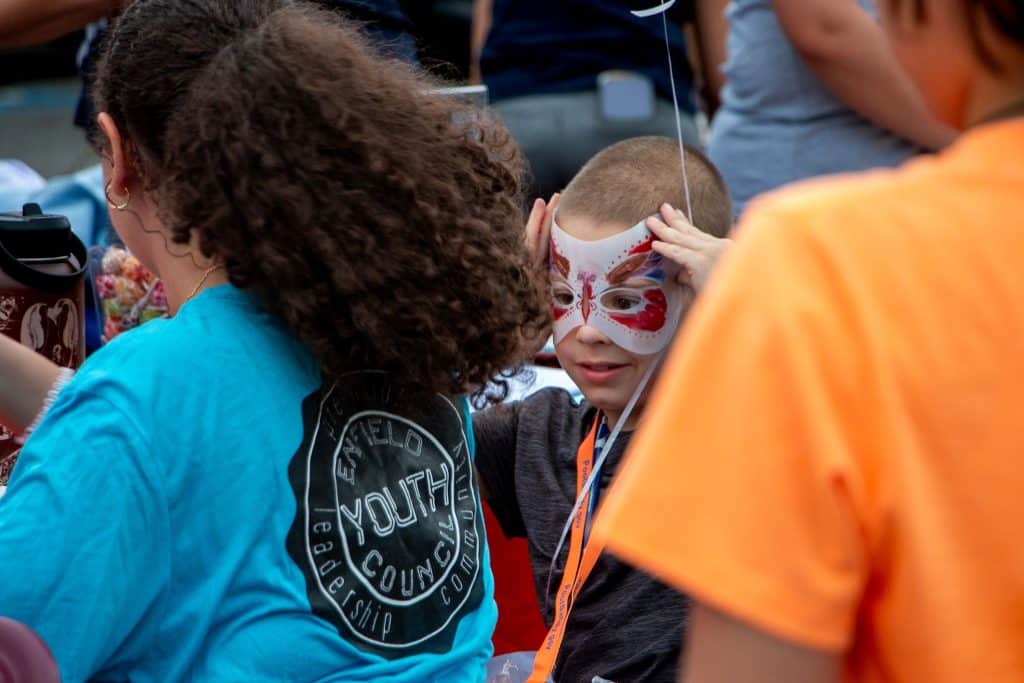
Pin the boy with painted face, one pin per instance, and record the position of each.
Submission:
(624, 267)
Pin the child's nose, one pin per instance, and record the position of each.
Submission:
(588, 334)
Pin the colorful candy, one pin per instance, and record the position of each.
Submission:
(157, 297)
(105, 286)
(133, 269)
(130, 295)
(113, 259)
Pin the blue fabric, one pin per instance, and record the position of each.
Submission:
(537, 47)
(78, 196)
(778, 123)
(148, 530)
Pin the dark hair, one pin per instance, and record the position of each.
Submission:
(1006, 16)
(628, 181)
(383, 224)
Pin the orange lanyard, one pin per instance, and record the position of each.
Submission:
(578, 566)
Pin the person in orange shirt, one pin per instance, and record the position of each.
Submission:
(831, 465)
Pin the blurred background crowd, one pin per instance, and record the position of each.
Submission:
(865, 319)
(794, 88)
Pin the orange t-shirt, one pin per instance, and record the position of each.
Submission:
(835, 452)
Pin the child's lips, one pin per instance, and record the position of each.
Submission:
(601, 373)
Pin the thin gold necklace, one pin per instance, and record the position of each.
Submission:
(195, 290)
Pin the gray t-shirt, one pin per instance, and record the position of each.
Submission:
(778, 123)
(625, 626)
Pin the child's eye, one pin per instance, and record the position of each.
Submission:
(563, 297)
(621, 300)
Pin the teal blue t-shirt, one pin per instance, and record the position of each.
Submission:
(198, 506)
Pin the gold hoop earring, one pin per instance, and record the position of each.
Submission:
(111, 203)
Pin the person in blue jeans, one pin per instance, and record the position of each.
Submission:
(276, 483)
(812, 88)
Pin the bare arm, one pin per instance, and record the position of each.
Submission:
(482, 12)
(724, 650)
(712, 31)
(30, 22)
(847, 50)
(25, 379)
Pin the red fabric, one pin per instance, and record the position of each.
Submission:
(520, 626)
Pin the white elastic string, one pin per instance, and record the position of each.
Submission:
(662, 8)
(679, 120)
(596, 471)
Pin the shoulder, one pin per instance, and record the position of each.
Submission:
(140, 356)
(221, 330)
(841, 236)
(549, 417)
(552, 421)
(136, 345)
(134, 353)
(552, 410)
(164, 365)
(850, 207)
(115, 386)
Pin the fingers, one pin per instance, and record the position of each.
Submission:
(538, 230)
(533, 223)
(545, 230)
(674, 217)
(688, 236)
(534, 227)
(677, 219)
(688, 259)
(695, 264)
(556, 199)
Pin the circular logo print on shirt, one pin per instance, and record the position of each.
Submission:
(387, 530)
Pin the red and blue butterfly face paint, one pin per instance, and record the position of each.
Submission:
(619, 285)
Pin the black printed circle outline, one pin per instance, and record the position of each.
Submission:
(312, 563)
(455, 517)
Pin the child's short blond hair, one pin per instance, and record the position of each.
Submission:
(630, 180)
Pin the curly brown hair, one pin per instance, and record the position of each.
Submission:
(383, 223)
